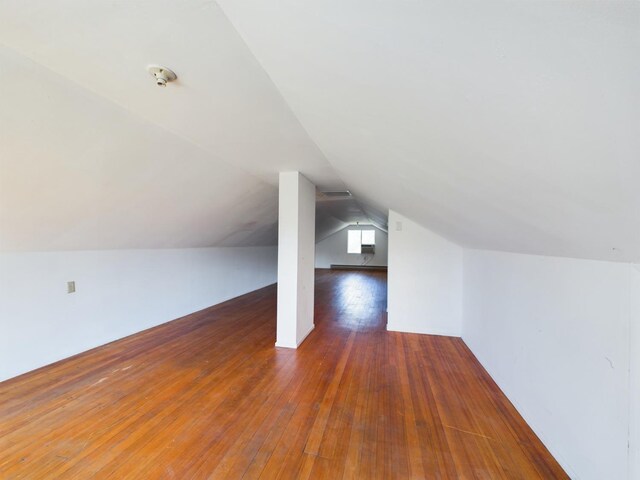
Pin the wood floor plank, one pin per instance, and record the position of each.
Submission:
(209, 396)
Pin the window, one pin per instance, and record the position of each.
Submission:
(354, 241)
(368, 237)
(357, 238)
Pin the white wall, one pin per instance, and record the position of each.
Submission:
(119, 292)
(424, 280)
(634, 344)
(296, 252)
(333, 249)
(554, 334)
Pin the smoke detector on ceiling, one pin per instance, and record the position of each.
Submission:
(163, 75)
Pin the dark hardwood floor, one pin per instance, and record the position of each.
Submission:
(209, 396)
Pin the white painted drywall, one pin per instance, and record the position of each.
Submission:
(554, 334)
(634, 345)
(119, 292)
(424, 280)
(296, 251)
(333, 249)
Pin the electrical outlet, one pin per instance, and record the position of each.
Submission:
(398, 226)
(71, 287)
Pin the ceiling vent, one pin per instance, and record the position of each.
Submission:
(341, 194)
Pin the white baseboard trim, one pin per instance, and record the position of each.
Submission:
(304, 337)
(443, 333)
(293, 345)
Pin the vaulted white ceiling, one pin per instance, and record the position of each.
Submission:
(94, 155)
(499, 124)
(502, 125)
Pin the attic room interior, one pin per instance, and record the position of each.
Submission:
(320, 240)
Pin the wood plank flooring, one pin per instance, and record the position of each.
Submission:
(208, 396)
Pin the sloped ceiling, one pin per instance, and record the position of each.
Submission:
(94, 155)
(502, 125)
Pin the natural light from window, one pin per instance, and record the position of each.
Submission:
(368, 237)
(354, 241)
(357, 238)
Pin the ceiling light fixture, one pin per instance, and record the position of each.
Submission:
(163, 75)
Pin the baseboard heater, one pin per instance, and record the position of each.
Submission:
(382, 268)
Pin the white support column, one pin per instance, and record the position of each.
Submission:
(296, 259)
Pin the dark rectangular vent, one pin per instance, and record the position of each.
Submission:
(345, 193)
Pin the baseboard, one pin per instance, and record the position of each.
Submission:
(304, 337)
(379, 268)
(293, 345)
(440, 333)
